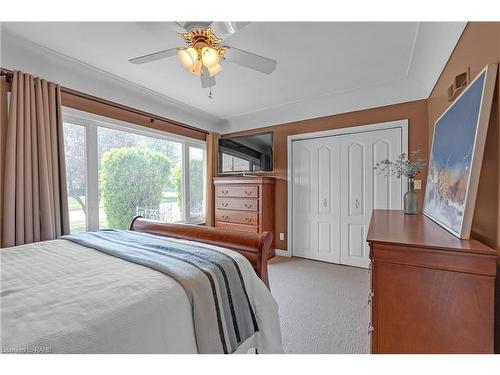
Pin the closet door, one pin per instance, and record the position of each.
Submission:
(362, 189)
(316, 199)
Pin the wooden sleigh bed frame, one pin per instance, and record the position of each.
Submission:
(255, 247)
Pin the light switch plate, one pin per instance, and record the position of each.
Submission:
(282, 236)
(418, 184)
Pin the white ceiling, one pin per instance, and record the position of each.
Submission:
(323, 67)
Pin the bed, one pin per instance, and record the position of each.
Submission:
(71, 296)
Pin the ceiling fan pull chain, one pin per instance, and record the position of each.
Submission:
(210, 93)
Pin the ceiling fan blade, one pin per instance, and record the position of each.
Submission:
(225, 29)
(191, 25)
(206, 80)
(250, 60)
(178, 26)
(158, 29)
(154, 56)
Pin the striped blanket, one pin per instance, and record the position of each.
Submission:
(222, 314)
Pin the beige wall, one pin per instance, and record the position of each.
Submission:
(478, 46)
(415, 112)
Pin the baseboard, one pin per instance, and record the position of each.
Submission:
(282, 253)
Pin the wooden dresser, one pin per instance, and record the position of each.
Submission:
(431, 292)
(245, 204)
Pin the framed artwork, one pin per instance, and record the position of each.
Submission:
(456, 156)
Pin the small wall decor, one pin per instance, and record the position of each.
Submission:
(456, 156)
(459, 83)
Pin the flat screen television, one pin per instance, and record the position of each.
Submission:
(246, 154)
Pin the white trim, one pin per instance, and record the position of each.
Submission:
(185, 181)
(92, 176)
(83, 118)
(401, 124)
(282, 253)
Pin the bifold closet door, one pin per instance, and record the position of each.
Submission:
(316, 199)
(362, 189)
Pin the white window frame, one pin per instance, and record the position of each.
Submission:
(91, 122)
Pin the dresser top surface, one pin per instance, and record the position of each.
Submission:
(223, 180)
(394, 227)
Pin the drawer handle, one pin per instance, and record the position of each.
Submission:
(248, 205)
(225, 192)
(248, 219)
(225, 217)
(224, 204)
(248, 192)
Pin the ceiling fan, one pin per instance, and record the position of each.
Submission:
(204, 52)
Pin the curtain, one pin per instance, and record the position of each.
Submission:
(35, 204)
(212, 140)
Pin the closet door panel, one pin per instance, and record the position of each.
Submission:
(356, 178)
(316, 199)
(381, 185)
(335, 189)
(302, 198)
(324, 179)
(363, 189)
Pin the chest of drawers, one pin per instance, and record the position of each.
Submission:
(431, 292)
(245, 204)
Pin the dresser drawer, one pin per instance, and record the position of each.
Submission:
(238, 227)
(237, 191)
(242, 217)
(237, 204)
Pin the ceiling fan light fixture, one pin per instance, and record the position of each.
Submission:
(214, 70)
(193, 53)
(209, 57)
(196, 68)
(184, 58)
(204, 52)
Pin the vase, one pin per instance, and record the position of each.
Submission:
(411, 198)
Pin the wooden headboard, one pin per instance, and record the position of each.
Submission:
(255, 247)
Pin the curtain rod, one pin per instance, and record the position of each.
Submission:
(10, 74)
(7, 73)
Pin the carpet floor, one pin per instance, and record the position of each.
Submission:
(323, 307)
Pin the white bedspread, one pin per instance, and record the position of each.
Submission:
(60, 297)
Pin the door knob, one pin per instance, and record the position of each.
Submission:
(370, 329)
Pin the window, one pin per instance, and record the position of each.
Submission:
(196, 182)
(232, 163)
(117, 170)
(76, 176)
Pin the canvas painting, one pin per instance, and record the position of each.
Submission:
(456, 156)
